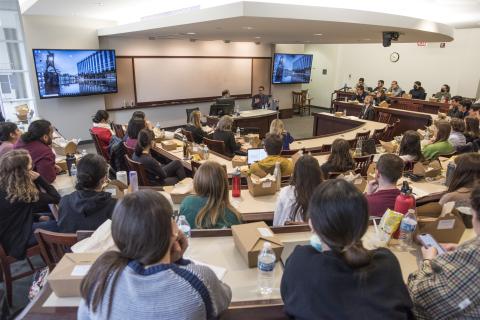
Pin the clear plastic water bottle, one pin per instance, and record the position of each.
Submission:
(206, 153)
(183, 225)
(73, 171)
(84, 153)
(407, 228)
(133, 177)
(266, 267)
(238, 132)
(157, 125)
(277, 172)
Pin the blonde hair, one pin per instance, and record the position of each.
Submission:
(211, 182)
(225, 123)
(195, 118)
(15, 179)
(277, 127)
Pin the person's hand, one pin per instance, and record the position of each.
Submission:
(372, 186)
(179, 246)
(34, 175)
(429, 253)
(58, 169)
(449, 246)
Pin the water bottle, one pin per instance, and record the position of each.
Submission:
(266, 267)
(133, 177)
(407, 228)
(238, 132)
(184, 226)
(236, 192)
(185, 148)
(277, 172)
(449, 174)
(70, 160)
(344, 112)
(206, 154)
(73, 171)
(84, 153)
(157, 125)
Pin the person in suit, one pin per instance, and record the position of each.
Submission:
(260, 99)
(368, 111)
(417, 92)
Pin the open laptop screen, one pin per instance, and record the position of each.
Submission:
(254, 155)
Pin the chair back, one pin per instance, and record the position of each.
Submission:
(388, 134)
(326, 148)
(377, 135)
(296, 100)
(54, 245)
(352, 143)
(216, 145)
(119, 132)
(362, 136)
(288, 152)
(128, 151)
(189, 112)
(141, 173)
(384, 117)
(187, 135)
(98, 146)
(362, 164)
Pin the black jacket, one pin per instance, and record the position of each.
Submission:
(418, 93)
(455, 113)
(360, 97)
(368, 113)
(84, 210)
(229, 139)
(197, 133)
(322, 286)
(16, 219)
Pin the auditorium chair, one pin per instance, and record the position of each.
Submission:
(138, 167)
(384, 117)
(128, 151)
(98, 146)
(189, 113)
(187, 134)
(119, 132)
(217, 146)
(362, 163)
(54, 245)
(361, 136)
(377, 135)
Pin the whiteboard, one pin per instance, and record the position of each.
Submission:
(160, 79)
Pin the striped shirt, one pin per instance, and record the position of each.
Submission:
(165, 291)
(448, 287)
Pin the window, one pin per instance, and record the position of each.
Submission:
(15, 85)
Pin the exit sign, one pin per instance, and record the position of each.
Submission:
(421, 43)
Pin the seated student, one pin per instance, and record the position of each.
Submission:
(465, 107)
(224, 133)
(277, 127)
(147, 278)
(417, 92)
(210, 207)
(292, 202)
(158, 174)
(360, 94)
(195, 127)
(19, 196)
(395, 89)
(135, 125)
(340, 158)
(446, 286)
(141, 115)
(440, 144)
(38, 141)
(9, 135)
(382, 191)
(444, 93)
(380, 97)
(336, 277)
(273, 147)
(472, 131)
(453, 111)
(464, 178)
(260, 99)
(456, 138)
(380, 86)
(410, 147)
(102, 128)
(88, 207)
(368, 110)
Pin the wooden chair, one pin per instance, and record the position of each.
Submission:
(288, 152)
(138, 167)
(119, 132)
(352, 143)
(98, 146)
(377, 135)
(195, 166)
(128, 151)
(54, 245)
(187, 134)
(384, 117)
(361, 136)
(189, 112)
(326, 148)
(296, 100)
(362, 163)
(388, 134)
(6, 273)
(216, 146)
(305, 103)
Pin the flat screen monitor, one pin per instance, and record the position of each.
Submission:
(291, 68)
(254, 155)
(69, 73)
(226, 101)
(221, 109)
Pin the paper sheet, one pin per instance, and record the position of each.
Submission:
(80, 270)
(54, 301)
(219, 271)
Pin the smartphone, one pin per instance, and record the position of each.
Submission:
(428, 241)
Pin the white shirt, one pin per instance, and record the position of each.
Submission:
(285, 205)
(457, 139)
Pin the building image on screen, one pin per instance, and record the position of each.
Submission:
(64, 73)
(291, 68)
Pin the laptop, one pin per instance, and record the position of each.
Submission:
(255, 154)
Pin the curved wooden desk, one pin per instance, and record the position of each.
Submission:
(260, 119)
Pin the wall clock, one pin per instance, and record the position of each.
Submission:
(394, 57)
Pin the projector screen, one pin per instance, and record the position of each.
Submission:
(291, 68)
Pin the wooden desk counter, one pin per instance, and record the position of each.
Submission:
(259, 118)
(431, 107)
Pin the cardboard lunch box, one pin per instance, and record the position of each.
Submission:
(65, 279)
(238, 161)
(258, 187)
(181, 190)
(62, 150)
(249, 239)
(390, 146)
(169, 145)
(445, 229)
(431, 170)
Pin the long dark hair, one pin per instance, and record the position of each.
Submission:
(471, 127)
(411, 146)
(135, 125)
(340, 157)
(141, 230)
(36, 130)
(443, 131)
(339, 215)
(144, 140)
(92, 168)
(6, 129)
(307, 175)
(466, 173)
(99, 116)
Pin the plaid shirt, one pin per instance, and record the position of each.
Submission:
(448, 287)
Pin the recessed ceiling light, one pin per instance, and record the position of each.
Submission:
(318, 34)
(247, 28)
(100, 4)
(307, 41)
(367, 39)
(191, 33)
(257, 37)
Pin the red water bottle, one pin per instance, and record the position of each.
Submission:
(404, 202)
(236, 184)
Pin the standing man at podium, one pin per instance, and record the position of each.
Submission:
(260, 99)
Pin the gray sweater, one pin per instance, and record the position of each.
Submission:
(165, 291)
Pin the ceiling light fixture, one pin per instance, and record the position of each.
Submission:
(318, 34)
(247, 28)
(367, 39)
(257, 37)
(101, 4)
(191, 33)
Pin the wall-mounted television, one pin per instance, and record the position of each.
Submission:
(291, 68)
(69, 73)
